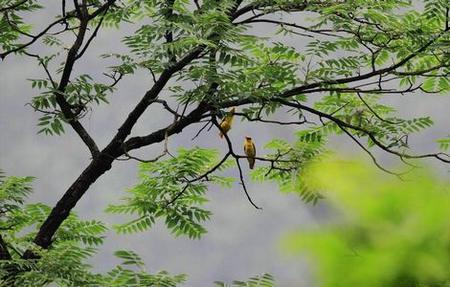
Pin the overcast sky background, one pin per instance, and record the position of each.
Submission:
(241, 241)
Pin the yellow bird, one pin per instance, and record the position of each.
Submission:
(250, 151)
(227, 121)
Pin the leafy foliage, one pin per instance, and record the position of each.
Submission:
(291, 160)
(13, 191)
(12, 24)
(124, 275)
(65, 263)
(265, 280)
(81, 92)
(444, 143)
(173, 189)
(366, 112)
(386, 233)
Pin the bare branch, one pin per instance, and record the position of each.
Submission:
(241, 177)
(178, 126)
(155, 159)
(201, 129)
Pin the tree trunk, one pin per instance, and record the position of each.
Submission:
(62, 209)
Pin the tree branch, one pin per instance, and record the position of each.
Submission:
(36, 37)
(325, 32)
(309, 87)
(150, 97)
(345, 80)
(374, 159)
(94, 34)
(231, 152)
(95, 169)
(103, 8)
(13, 6)
(157, 136)
(259, 119)
(4, 253)
(440, 156)
(66, 108)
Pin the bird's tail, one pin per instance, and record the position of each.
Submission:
(221, 135)
(251, 163)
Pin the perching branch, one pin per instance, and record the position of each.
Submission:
(231, 152)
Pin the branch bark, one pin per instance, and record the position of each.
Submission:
(103, 161)
(69, 116)
(95, 169)
(4, 253)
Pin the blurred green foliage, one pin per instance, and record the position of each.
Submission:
(384, 232)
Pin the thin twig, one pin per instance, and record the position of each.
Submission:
(35, 38)
(155, 159)
(375, 113)
(204, 127)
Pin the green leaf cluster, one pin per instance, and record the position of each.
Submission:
(12, 23)
(64, 264)
(292, 159)
(79, 94)
(174, 190)
(444, 143)
(265, 280)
